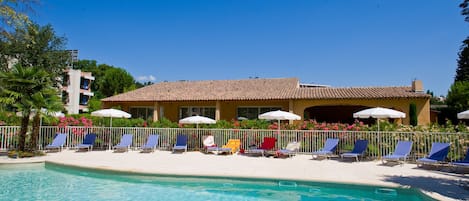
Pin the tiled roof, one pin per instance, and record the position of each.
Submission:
(357, 93)
(254, 89)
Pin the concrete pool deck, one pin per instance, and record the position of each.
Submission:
(441, 185)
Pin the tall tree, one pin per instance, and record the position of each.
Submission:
(465, 10)
(36, 46)
(457, 98)
(413, 114)
(39, 59)
(13, 13)
(115, 81)
(462, 71)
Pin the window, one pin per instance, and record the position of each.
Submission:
(196, 110)
(145, 113)
(254, 112)
(84, 99)
(84, 83)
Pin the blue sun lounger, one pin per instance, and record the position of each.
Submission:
(58, 142)
(125, 143)
(88, 142)
(401, 152)
(152, 143)
(464, 162)
(437, 154)
(359, 150)
(329, 148)
(181, 143)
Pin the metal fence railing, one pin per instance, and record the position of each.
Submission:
(379, 143)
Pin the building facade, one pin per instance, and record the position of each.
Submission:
(246, 99)
(76, 90)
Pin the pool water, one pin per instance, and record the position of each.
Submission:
(54, 182)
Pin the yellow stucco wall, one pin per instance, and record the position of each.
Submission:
(228, 109)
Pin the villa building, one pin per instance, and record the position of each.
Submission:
(76, 90)
(246, 99)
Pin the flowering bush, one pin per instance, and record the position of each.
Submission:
(71, 121)
(314, 125)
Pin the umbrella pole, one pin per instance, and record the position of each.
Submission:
(110, 134)
(278, 132)
(379, 140)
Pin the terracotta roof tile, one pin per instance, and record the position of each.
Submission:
(255, 89)
(251, 89)
(357, 92)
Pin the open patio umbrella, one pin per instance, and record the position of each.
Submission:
(379, 113)
(279, 115)
(463, 115)
(112, 113)
(197, 120)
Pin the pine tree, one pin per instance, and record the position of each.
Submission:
(462, 72)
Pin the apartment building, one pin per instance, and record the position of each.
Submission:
(76, 90)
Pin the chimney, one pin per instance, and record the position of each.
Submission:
(417, 86)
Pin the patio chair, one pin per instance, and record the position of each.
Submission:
(181, 143)
(125, 143)
(266, 145)
(88, 142)
(329, 148)
(208, 142)
(290, 150)
(231, 147)
(437, 154)
(462, 163)
(401, 152)
(152, 143)
(58, 142)
(359, 150)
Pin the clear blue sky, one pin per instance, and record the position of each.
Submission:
(337, 43)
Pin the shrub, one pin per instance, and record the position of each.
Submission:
(163, 123)
(413, 114)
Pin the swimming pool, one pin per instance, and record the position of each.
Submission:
(54, 182)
